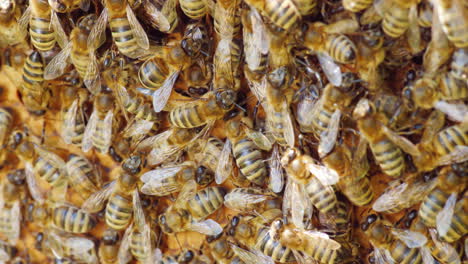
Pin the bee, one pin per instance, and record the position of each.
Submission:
(283, 14)
(161, 14)
(385, 144)
(306, 7)
(98, 131)
(221, 251)
(392, 244)
(256, 44)
(44, 26)
(452, 223)
(206, 154)
(122, 196)
(454, 24)
(80, 53)
(72, 116)
(35, 95)
(6, 124)
(194, 9)
(314, 179)
(127, 32)
(12, 189)
(370, 55)
(226, 16)
(109, 246)
(250, 199)
(246, 147)
(356, 5)
(191, 208)
(70, 249)
(82, 176)
(210, 107)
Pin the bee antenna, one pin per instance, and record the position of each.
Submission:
(240, 107)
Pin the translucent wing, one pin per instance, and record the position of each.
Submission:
(224, 168)
(444, 246)
(326, 175)
(259, 139)
(224, 16)
(107, 131)
(50, 157)
(159, 154)
(256, 42)
(276, 171)
(97, 36)
(14, 232)
(459, 154)
(92, 79)
(455, 112)
(410, 238)
(413, 33)
(79, 245)
(156, 183)
(23, 22)
(156, 140)
(382, 256)
(426, 255)
(207, 227)
(360, 163)
(296, 203)
(258, 88)
(251, 257)
(139, 128)
(188, 192)
(161, 95)
(444, 217)
(239, 201)
(138, 214)
(329, 136)
(69, 122)
(97, 200)
(60, 35)
(390, 199)
(138, 31)
(343, 26)
(87, 142)
(34, 189)
(288, 125)
(323, 239)
(157, 16)
(406, 145)
(58, 64)
(124, 253)
(331, 69)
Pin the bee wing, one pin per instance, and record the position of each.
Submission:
(288, 125)
(381, 6)
(69, 121)
(344, 26)
(97, 200)
(444, 217)
(58, 64)
(426, 255)
(302, 258)
(360, 163)
(4, 256)
(444, 246)
(92, 79)
(97, 36)
(433, 125)
(157, 16)
(410, 238)
(413, 33)
(239, 201)
(325, 175)
(138, 128)
(124, 254)
(276, 171)
(259, 139)
(406, 145)
(60, 36)
(382, 256)
(391, 198)
(23, 22)
(161, 95)
(258, 88)
(107, 131)
(296, 203)
(50, 157)
(34, 189)
(155, 181)
(207, 227)
(138, 31)
(330, 68)
(159, 154)
(57, 243)
(251, 257)
(256, 43)
(224, 168)
(224, 15)
(457, 112)
(79, 245)
(188, 192)
(155, 140)
(87, 142)
(458, 155)
(322, 238)
(15, 218)
(138, 214)
(329, 136)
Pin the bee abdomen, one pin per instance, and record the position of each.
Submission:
(206, 201)
(459, 223)
(356, 5)
(283, 13)
(33, 71)
(81, 178)
(48, 172)
(273, 248)
(187, 116)
(138, 249)
(322, 121)
(152, 74)
(250, 161)
(42, 37)
(431, 206)
(321, 197)
(122, 33)
(395, 21)
(194, 9)
(403, 254)
(341, 49)
(389, 157)
(456, 31)
(118, 212)
(359, 192)
(452, 88)
(100, 140)
(73, 219)
(449, 138)
(319, 251)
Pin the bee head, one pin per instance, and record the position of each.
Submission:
(226, 98)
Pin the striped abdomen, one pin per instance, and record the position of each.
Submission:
(272, 248)
(211, 153)
(432, 204)
(454, 24)
(206, 201)
(141, 109)
(194, 9)
(78, 129)
(167, 260)
(33, 74)
(119, 211)
(72, 219)
(356, 5)
(138, 248)
(249, 160)
(443, 255)
(283, 13)
(389, 157)
(320, 250)
(449, 138)
(234, 22)
(82, 61)
(9, 223)
(187, 116)
(100, 141)
(322, 197)
(341, 48)
(452, 88)
(395, 21)
(321, 121)
(459, 223)
(152, 74)
(401, 253)
(278, 127)
(42, 36)
(358, 191)
(48, 172)
(81, 175)
(122, 33)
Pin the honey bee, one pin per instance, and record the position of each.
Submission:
(197, 77)
(370, 55)
(191, 208)
(207, 153)
(392, 244)
(122, 196)
(209, 108)
(44, 26)
(73, 120)
(194, 9)
(221, 251)
(315, 180)
(256, 44)
(98, 131)
(451, 221)
(71, 249)
(82, 176)
(161, 14)
(6, 123)
(10, 216)
(80, 53)
(385, 144)
(35, 95)
(246, 147)
(109, 246)
(283, 14)
(250, 199)
(454, 24)
(127, 33)
(226, 16)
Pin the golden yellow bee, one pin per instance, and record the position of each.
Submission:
(284, 14)
(11, 192)
(35, 95)
(82, 176)
(73, 120)
(250, 199)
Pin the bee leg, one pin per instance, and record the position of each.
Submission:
(255, 113)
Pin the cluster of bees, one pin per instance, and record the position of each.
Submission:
(325, 131)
